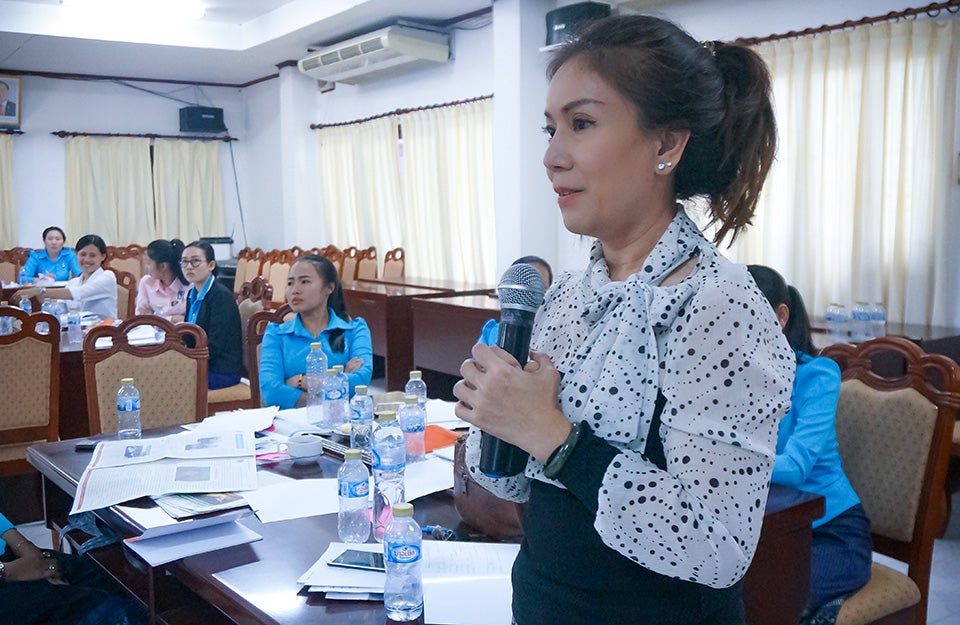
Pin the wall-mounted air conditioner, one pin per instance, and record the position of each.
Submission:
(381, 53)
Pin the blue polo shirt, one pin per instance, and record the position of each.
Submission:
(283, 354)
(5, 526)
(40, 263)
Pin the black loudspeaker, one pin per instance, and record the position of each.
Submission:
(201, 119)
(562, 23)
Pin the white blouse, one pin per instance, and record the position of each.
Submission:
(96, 294)
(712, 346)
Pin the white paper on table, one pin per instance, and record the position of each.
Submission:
(429, 476)
(322, 577)
(294, 499)
(252, 420)
(289, 421)
(440, 412)
(445, 453)
(163, 549)
(186, 445)
(468, 583)
(140, 335)
(106, 486)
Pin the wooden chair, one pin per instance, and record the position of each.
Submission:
(9, 265)
(367, 264)
(254, 263)
(171, 377)
(280, 264)
(29, 386)
(393, 263)
(894, 435)
(126, 294)
(334, 254)
(256, 327)
(351, 256)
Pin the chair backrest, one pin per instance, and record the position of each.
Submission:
(9, 265)
(335, 255)
(254, 263)
(171, 377)
(367, 264)
(29, 386)
(256, 327)
(128, 258)
(254, 297)
(351, 256)
(393, 263)
(894, 435)
(126, 294)
(280, 263)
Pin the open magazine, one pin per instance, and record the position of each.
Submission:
(187, 462)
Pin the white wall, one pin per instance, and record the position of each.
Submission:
(96, 106)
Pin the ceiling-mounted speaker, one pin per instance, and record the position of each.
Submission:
(201, 119)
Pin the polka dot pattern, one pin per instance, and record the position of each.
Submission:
(713, 347)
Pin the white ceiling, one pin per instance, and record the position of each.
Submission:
(236, 42)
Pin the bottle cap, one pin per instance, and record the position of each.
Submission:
(388, 416)
(126, 380)
(331, 372)
(338, 368)
(316, 345)
(403, 509)
(353, 454)
(415, 375)
(410, 399)
(360, 389)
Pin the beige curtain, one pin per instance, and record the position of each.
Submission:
(188, 189)
(109, 190)
(856, 207)
(360, 184)
(448, 219)
(8, 212)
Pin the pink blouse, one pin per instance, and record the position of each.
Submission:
(151, 295)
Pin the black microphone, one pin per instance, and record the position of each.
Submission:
(521, 293)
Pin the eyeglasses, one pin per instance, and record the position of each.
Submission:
(192, 262)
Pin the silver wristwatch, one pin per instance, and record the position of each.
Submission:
(3, 573)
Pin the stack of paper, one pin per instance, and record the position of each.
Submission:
(189, 462)
(166, 543)
(340, 581)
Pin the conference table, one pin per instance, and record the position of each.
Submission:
(387, 309)
(256, 582)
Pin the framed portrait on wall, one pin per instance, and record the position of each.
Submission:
(9, 101)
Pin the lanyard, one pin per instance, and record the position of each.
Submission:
(195, 303)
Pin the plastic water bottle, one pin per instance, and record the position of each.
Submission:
(389, 461)
(336, 406)
(316, 370)
(416, 386)
(838, 323)
(412, 422)
(353, 484)
(878, 320)
(158, 334)
(128, 410)
(860, 323)
(6, 323)
(344, 383)
(22, 278)
(49, 307)
(402, 551)
(74, 332)
(361, 419)
(26, 305)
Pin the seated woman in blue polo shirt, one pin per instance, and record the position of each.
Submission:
(808, 459)
(314, 293)
(54, 261)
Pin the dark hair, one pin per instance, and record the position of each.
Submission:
(536, 260)
(777, 291)
(208, 253)
(328, 273)
(717, 91)
(91, 239)
(47, 231)
(5, 84)
(163, 251)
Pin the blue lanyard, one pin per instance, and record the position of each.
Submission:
(195, 303)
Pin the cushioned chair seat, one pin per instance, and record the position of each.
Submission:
(887, 593)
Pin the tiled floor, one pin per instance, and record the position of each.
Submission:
(944, 580)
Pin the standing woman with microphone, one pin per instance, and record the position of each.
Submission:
(650, 403)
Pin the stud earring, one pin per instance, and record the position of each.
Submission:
(661, 166)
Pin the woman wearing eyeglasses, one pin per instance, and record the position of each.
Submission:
(211, 306)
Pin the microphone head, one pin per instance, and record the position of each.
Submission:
(521, 288)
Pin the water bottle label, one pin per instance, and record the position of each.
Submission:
(128, 403)
(380, 466)
(355, 489)
(403, 554)
(332, 394)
